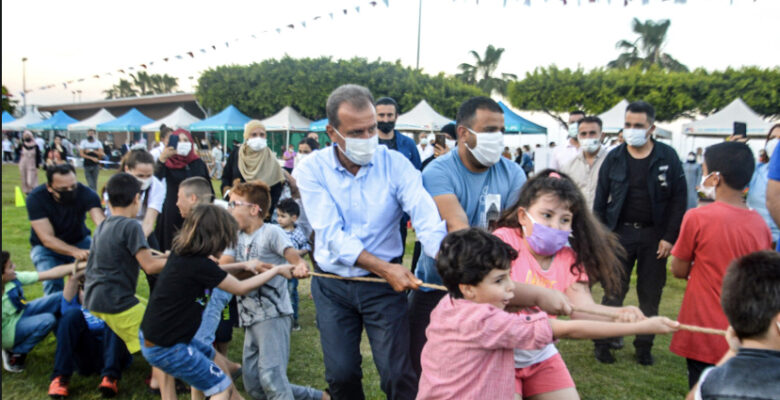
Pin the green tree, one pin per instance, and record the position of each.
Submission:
(142, 84)
(481, 72)
(262, 89)
(650, 42)
(8, 104)
(673, 94)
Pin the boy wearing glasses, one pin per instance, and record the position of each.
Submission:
(266, 313)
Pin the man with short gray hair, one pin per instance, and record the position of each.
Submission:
(354, 194)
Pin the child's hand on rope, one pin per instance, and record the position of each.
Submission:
(285, 270)
(256, 266)
(301, 270)
(629, 314)
(660, 325)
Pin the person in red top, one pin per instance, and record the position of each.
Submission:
(711, 237)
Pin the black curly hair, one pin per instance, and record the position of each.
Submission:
(598, 250)
(467, 256)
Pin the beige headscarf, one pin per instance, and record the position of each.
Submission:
(261, 164)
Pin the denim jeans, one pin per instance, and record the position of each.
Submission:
(191, 362)
(343, 309)
(45, 259)
(292, 287)
(88, 351)
(91, 172)
(38, 319)
(266, 354)
(212, 315)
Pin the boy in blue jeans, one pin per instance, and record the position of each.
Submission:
(25, 323)
(751, 301)
(287, 212)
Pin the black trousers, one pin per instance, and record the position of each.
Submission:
(695, 368)
(420, 306)
(641, 245)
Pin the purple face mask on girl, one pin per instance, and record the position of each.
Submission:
(544, 240)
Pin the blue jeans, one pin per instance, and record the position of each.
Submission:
(45, 259)
(38, 319)
(88, 351)
(292, 287)
(191, 362)
(343, 308)
(266, 354)
(212, 315)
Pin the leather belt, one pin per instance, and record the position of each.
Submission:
(637, 225)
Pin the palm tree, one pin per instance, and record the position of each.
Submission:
(163, 84)
(652, 36)
(142, 81)
(125, 89)
(481, 73)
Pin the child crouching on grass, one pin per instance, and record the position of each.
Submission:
(471, 339)
(173, 314)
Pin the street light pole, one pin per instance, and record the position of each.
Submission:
(24, 83)
(419, 25)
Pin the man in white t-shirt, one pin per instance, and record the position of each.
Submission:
(91, 150)
(564, 154)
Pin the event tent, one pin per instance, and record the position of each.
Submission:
(318, 125)
(514, 123)
(722, 122)
(613, 120)
(287, 120)
(179, 118)
(58, 122)
(20, 124)
(7, 117)
(131, 121)
(92, 122)
(229, 119)
(422, 118)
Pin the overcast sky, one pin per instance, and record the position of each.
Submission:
(68, 40)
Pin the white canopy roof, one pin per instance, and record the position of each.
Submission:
(179, 118)
(287, 120)
(613, 120)
(421, 118)
(32, 117)
(92, 122)
(722, 122)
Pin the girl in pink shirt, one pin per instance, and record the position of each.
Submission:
(550, 212)
(469, 352)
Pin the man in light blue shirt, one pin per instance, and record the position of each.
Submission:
(354, 194)
(471, 186)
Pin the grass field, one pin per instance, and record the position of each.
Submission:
(622, 380)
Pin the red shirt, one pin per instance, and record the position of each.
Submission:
(711, 237)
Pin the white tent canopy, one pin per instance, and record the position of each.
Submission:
(421, 118)
(32, 117)
(613, 120)
(179, 118)
(92, 122)
(287, 120)
(722, 122)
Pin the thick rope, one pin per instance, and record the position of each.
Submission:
(608, 314)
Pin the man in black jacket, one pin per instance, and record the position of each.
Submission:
(641, 196)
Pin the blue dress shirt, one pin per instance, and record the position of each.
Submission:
(351, 213)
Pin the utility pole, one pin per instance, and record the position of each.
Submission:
(24, 83)
(419, 25)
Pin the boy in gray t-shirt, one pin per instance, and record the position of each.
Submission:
(266, 313)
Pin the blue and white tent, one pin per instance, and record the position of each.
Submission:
(131, 121)
(58, 122)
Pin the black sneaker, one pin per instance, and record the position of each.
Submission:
(13, 362)
(644, 357)
(616, 344)
(603, 355)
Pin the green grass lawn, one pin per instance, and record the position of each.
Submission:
(622, 380)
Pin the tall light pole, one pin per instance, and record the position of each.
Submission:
(24, 83)
(419, 25)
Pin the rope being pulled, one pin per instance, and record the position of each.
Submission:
(612, 315)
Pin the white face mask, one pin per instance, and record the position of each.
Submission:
(257, 143)
(450, 143)
(489, 147)
(636, 137)
(770, 146)
(145, 183)
(358, 150)
(300, 156)
(573, 127)
(424, 142)
(590, 145)
(183, 148)
(708, 191)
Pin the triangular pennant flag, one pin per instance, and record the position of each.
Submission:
(131, 68)
(151, 62)
(96, 76)
(357, 8)
(331, 15)
(345, 11)
(190, 54)
(278, 30)
(317, 17)
(291, 26)
(19, 200)
(303, 24)
(80, 80)
(144, 65)
(64, 85)
(387, 3)
(178, 56)
(165, 59)
(227, 44)
(213, 47)
(254, 37)
(203, 51)
(373, 3)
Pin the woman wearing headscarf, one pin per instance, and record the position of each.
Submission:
(175, 165)
(29, 161)
(692, 171)
(255, 160)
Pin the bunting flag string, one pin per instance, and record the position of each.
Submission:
(212, 48)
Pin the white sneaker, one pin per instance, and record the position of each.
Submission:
(13, 362)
